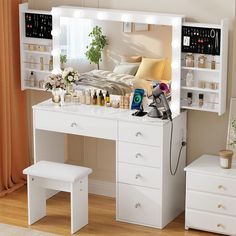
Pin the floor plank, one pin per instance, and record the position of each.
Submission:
(13, 210)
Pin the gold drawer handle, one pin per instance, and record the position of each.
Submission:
(220, 206)
(138, 134)
(137, 205)
(138, 176)
(220, 186)
(220, 225)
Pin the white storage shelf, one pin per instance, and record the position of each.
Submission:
(32, 50)
(214, 99)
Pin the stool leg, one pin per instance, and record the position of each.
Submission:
(79, 204)
(36, 200)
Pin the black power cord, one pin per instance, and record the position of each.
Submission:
(183, 144)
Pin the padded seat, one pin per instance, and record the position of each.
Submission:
(46, 175)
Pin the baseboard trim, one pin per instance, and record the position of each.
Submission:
(103, 188)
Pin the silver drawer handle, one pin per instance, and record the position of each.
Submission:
(138, 155)
(138, 134)
(137, 205)
(138, 176)
(73, 124)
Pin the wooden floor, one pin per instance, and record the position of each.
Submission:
(13, 210)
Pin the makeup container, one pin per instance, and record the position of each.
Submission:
(202, 61)
(213, 63)
(201, 100)
(190, 98)
(189, 60)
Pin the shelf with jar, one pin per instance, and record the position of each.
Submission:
(35, 47)
(204, 66)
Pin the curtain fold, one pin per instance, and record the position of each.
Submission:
(14, 150)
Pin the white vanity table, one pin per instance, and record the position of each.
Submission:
(146, 193)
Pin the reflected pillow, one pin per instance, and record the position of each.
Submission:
(151, 69)
(126, 68)
(131, 59)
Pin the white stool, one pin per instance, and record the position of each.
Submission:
(58, 176)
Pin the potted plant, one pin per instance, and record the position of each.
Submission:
(63, 60)
(95, 48)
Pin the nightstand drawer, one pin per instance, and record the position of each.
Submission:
(211, 184)
(210, 222)
(139, 175)
(140, 133)
(139, 154)
(74, 124)
(211, 202)
(139, 205)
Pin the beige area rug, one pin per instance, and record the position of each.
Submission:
(10, 230)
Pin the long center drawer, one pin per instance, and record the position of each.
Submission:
(74, 124)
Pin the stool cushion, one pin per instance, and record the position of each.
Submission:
(57, 171)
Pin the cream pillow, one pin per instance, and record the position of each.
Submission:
(131, 59)
(151, 69)
(126, 68)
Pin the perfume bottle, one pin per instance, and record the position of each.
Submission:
(107, 97)
(88, 97)
(50, 64)
(201, 100)
(190, 98)
(189, 79)
(32, 79)
(95, 98)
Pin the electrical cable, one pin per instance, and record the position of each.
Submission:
(183, 144)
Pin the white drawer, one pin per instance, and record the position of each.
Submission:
(139, 133)
(139, 154)
(139, 175)
(210, 222)
(211, 202)
(74, 124)
(211, 184)
(139, 205)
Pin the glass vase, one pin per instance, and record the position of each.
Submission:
(56, 95)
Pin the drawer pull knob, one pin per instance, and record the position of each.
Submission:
(138, 134)
(138, 155)
(73, 124)
(220, 226)
(220, 187)
(220, 206)
(137, 205)
(138, 176)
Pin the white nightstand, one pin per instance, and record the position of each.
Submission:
(211, 196)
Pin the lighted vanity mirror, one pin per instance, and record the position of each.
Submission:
(148, 35)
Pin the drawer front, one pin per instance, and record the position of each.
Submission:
(139, 175)
(211, 184)
(74, 124)
(139, 133)
(139, 154)
(211, 202)
(210, 222)
(139, 205)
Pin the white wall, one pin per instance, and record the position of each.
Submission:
(206, 131)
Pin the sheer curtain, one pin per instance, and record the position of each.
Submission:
(13, 121)
(74, 40)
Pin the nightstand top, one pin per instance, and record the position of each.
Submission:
(210, 165)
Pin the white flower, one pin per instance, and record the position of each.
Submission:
(76, 77)
(70, 78)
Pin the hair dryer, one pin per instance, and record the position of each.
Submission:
(158, 97)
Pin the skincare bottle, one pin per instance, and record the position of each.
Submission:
(32, 79)
(32, 62)
(122, 102)
(82, 97)
(190, 98)
(201, 100)
(50, 64)
(102, 101)
(99, 97)
(189, 79)
(107, 97)
(41, 63)
(88, 97)
(95, 98)
(213, 63)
